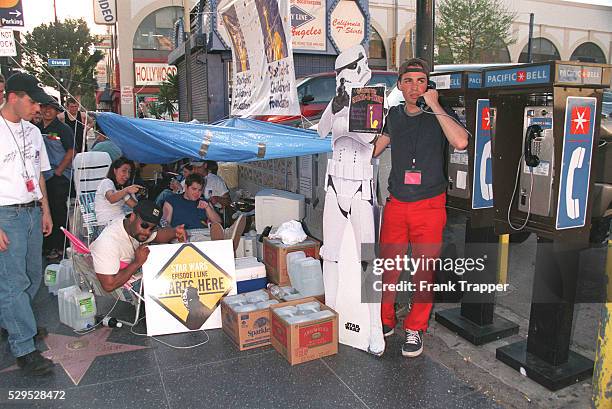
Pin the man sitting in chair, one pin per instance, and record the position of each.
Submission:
(187, 209)
(121, 250)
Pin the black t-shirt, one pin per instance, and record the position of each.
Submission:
(58, 140)
(77, 129)
(417, 137)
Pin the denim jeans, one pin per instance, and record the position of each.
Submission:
(163, 196)
(20, 275)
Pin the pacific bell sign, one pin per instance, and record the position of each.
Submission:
(105, 11)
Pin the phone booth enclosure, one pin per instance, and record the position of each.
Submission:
(512, 91)
(460, 90)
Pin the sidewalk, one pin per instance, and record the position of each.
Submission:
(115, 368)
(217, 375)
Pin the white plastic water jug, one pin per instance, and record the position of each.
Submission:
(311, 277)
(51, 274)
(293, 267)
(77, 308)
(250, 246)
(64, 276)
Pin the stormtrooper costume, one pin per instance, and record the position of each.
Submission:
(348, 215)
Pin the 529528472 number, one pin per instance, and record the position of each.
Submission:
(36, 395)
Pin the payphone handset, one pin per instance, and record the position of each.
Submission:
(420, 102)
(573, 204)
(537, 175)
(486, 188)
(533, 131)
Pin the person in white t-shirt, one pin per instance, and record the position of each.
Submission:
(214, 190)
(114, 192)
(24, 218)
(121, 249)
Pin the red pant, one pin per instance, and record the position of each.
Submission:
(420, 224)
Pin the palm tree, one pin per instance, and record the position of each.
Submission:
(168, 95)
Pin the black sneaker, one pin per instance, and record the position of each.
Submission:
(35, 364)
(388, 331)
(413, 346)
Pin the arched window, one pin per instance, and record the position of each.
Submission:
(406, 51)
(377, 55)
(541, 50)
(588, 52)
(156, 32)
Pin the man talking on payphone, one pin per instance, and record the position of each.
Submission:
(415, 212)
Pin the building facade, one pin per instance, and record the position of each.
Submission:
(144, 36)
(564, 30)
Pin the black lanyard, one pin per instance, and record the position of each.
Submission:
(414, 139)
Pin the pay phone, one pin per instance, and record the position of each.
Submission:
(546, 126)
(537, 162)
(458, 161)
(459, 91)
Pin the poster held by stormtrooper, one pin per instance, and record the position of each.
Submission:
(348, 216)
(366, 109)
(262, 57)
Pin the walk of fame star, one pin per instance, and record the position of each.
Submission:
(77, 354)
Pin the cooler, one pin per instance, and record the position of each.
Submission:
(250, 274)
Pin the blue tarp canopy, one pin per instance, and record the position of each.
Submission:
(230, 140)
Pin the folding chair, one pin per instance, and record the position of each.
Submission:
(89, 170)
(88, 215)
(83, 266)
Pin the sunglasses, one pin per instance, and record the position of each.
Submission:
(148, 226)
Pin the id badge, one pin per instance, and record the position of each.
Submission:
(412, 177)
(30, 185)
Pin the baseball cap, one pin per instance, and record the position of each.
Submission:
(414, 65)
(53, 103)
(148, 211)
(30, 85)
(196, 163)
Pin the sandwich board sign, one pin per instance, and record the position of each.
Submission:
(184, 284)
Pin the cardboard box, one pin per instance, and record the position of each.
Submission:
(275, 257)
(247, 330)
(320, 298)
(304, 341)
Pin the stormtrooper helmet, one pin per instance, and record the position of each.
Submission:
(352, 67)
